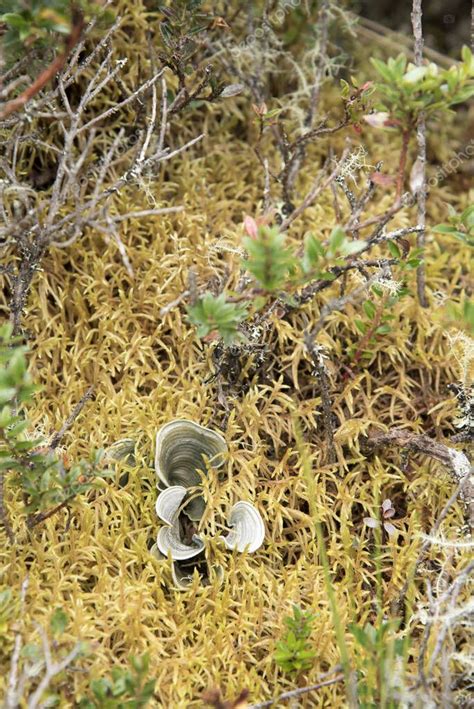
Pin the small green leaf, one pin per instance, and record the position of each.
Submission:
(444, 229)
(15, 20)
(393, 248)
(326, 276)
(215, 313)
(313, 249)
(369, 309)
(383, 70)
(7, 394)
(359, 635)
(336, 239)
(467, 217)
(348, 248)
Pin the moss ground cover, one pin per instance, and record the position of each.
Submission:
(89, 322)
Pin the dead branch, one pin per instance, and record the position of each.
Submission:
(79, 197)
(318, 187)
(420, 164)
(11, 701)
(455, 461)
(340, 303)
(51, 670)
(321, 373)
(50, 71)
(59, 435)
(294, 693)
(309, 291)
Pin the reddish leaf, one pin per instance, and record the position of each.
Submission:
(380, 179)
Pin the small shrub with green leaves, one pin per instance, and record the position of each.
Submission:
(294, 652)
(279, 272)
(46, 479)
(182, 23)
(40, 23)
(213, 313)
(183, 26)
(407, 90)
(126, 688)
(41, 662)
(269, 260)
(379, 657)
(460, 226)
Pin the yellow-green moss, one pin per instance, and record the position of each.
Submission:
(91, 324)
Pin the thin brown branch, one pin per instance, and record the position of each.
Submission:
(321, 373)
(312, 289)
(455, 461)
(294, 693)
(4, 521)
(34, 520)
(52, 669)
(337, 304)
(323, 35)
(416, 18)
(12, 698)
(59, 435)
(314, 193)
(398, 203)
(15, 104)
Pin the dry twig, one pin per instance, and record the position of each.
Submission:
(295, 693)
(420, 164)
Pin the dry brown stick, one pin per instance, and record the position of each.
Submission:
(426, 544)
(3, 512)
(34, 520)
(292, 694)
(315, 191)
(11, 698)
(337, 304)
(293, 166)
(416, 18)
(309, 291)
(398, 203)
(59, 435)
(450, 595)
(455, 461)
(323, 27)
(397, 41)
(316, 354)
(52, 668)
(50, 71)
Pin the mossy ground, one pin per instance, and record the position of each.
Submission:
(91, 323)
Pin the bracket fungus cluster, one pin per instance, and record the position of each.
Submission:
(182, 450)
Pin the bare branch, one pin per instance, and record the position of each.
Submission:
(116, 107)
(294, 693)
(52, 669)
(314, 193)
(420, 164)
(12, 693)
(317, 357)
(339, 304)
(57, 437)
(45, 76)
